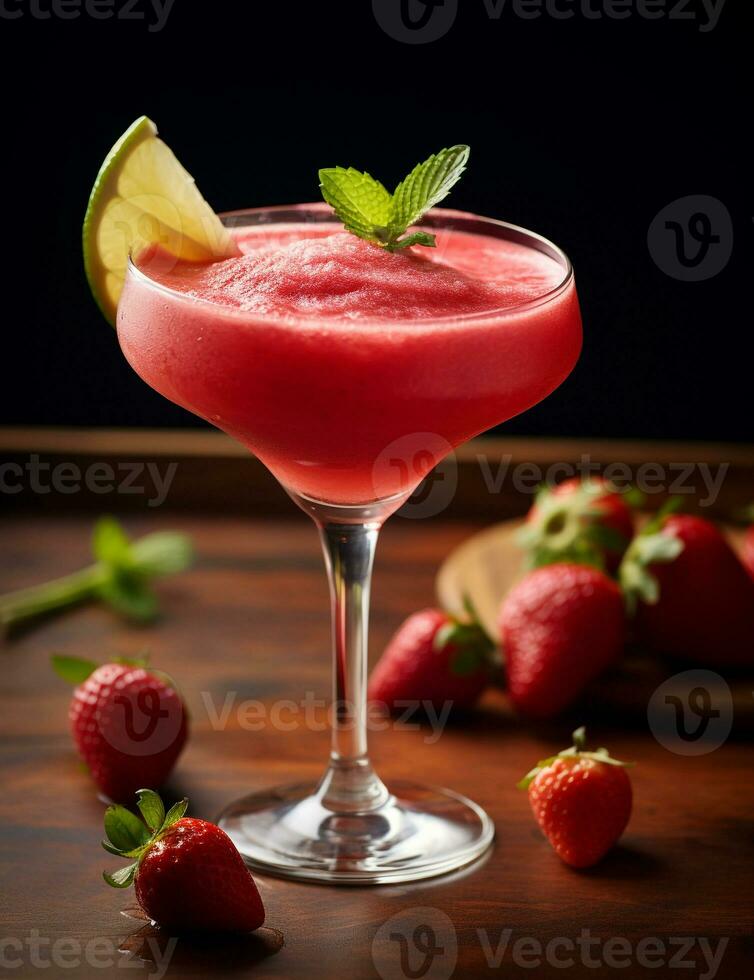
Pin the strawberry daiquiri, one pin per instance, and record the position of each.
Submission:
(348, 370)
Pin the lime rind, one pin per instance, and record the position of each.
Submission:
(141, 196)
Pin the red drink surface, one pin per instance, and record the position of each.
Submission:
(348, 370)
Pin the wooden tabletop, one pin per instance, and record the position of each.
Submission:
(250, 622)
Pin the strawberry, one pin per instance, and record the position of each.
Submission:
(561, 626)
(581, 800)
(129, 724)
(586, 522)
(434, 657)
(747, 553)
(692, 595)
(187, 873)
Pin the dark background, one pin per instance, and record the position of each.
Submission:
(581, 129)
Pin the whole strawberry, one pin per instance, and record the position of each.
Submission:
(560, 627)
(187, 873)
(434, 658)
(692, 596)
(129, 724)
(586, 522)
(581, 800)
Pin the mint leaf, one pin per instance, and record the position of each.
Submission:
(426, 185)
(360, 201)
(162, 553)
(369, 211)
(119, 576)
(110, 543)
(75, 670)
(129, 594)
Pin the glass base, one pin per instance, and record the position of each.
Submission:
(419, 832)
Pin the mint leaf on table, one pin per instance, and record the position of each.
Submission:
(368, 210)
(110, 542)
(120, 576)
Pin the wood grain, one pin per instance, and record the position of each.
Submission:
(487, 479)
(250, 621)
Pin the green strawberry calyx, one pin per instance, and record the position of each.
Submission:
(575, 751)
(129, 837)
(474, 647)
(75, 670)
(652, 545)
(567, 527)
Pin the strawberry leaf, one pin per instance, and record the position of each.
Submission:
(175, 813)
(135, 852)
(124, 829)
(151, 808)
(466, 662)
(635, 498)
(75, 670)
(123, 877)
(636, 579)
(142, 661)
(607, 537)
(577, 750)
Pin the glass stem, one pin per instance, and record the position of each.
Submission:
(350, 785)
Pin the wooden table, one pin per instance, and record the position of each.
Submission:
(250, 622)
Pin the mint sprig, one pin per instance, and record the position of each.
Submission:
(121, 577)
(368, 210)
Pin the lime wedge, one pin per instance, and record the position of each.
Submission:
(143, 196)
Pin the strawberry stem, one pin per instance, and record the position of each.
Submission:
(579, 739)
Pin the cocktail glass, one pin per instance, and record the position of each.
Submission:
(350, 416)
